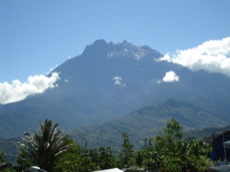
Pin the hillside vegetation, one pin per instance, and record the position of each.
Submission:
(147, 122)
(52, 150)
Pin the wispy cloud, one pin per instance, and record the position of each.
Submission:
(16, 91)
(118, 81)
(170, 76)
(212, 56)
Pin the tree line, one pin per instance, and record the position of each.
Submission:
(53, 151)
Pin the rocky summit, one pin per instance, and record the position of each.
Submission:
(108, 81)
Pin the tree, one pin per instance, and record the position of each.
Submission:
(5, 166)
(78, 159)
(167, 146)
(126, 153)
(106, 158)
(193, 155)
(176, 154)
(73, 160)
(149, 155)
(44, 148)
(172, 134)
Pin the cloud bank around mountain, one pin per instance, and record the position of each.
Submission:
(16, 91)
(212, 56)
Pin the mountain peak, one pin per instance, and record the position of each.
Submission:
(130, 50)
(98, 47)
(124, 49)
(100, 42)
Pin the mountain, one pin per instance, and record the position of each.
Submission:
(147, 122)
(108, 81)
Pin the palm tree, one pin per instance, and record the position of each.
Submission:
(44, 148)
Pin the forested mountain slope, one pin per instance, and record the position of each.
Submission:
(108, 81)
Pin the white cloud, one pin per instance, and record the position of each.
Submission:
(118, 81)
(170, 77)
(16, 91)
(212, 56)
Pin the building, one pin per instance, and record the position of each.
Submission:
(220, 146)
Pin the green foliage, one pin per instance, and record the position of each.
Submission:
(168, 151)
(5, 166)
(102, 158)
(171, 136)
(9, 147)
(1, 157)
(106, 157)
(71, 160)
(44, 148)
(126, 152)
(195, 155)
(150, 156)
(173, 153)
(147, 122)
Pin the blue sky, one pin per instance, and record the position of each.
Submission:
(36, 35)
